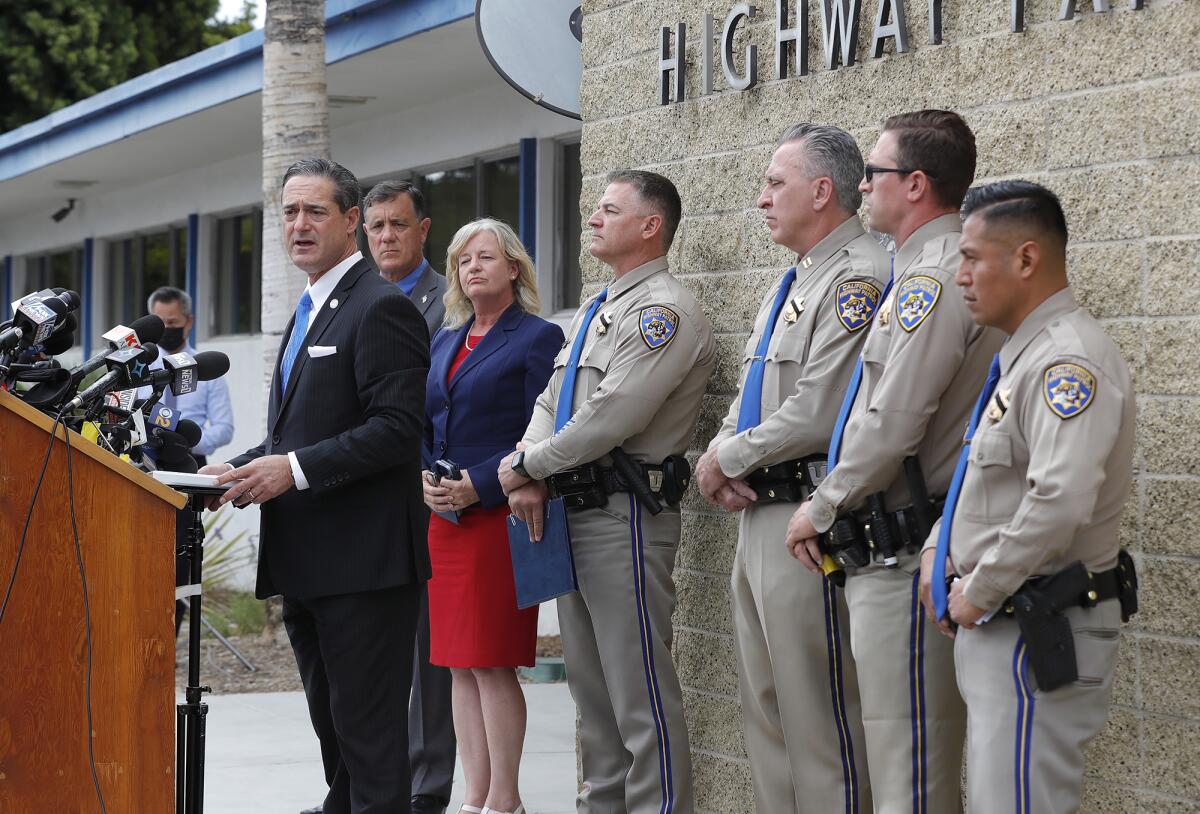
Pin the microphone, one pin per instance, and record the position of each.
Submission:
(171, 448)
(33, 322)
(144, 329)
(122, 364)
(182, 372)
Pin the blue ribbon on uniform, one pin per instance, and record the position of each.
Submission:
(940, 596)
(299, 330)
(839, 427)
(566, 393)
(750, 410)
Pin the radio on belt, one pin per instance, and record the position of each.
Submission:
(183, 372)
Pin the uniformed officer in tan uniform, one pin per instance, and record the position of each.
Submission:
(644, 354)
(923, 363)
(799, 692)
(1045, 475)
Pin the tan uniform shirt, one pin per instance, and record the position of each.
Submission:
(1052, 459)
(924, 363)
(812, 351)
(645, 363)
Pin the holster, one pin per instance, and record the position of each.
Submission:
(1038, 609)
(787, 481)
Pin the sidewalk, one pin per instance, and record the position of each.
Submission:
(262, 756)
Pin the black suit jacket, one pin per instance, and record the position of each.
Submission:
(354, 418)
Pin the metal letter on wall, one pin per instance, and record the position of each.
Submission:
(667, 63)
(1017, 16)
(784, 37)
(706, 47)
(1067, 10)
(750, 78)
(897, 29)
(839, 30)
(935, 22)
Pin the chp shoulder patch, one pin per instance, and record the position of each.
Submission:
(657, 324)
(856, 303)
(915, 301)
(1068, 389)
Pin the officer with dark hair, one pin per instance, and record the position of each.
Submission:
(1031, 522)
(608, 435)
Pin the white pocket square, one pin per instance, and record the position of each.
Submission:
(317, 351)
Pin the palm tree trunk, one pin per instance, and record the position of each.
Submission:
(295, 124)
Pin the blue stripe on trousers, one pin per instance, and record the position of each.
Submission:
(660, 726)
(916, 693)
(833, 642)
(1024, 727)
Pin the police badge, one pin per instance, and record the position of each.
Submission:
(657, 323)
(915, 301)
(856, 302)
(1068, 389)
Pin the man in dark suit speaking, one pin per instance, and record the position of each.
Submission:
(338, 477)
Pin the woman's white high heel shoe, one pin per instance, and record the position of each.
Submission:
(520, 809)
(466, 809)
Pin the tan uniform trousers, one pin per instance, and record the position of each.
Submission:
(913, 716)
(616, 634)
(799, 690)
(1025, 746)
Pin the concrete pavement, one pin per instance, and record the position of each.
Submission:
(262, 756)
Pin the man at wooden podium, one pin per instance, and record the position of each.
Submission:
(338, 477)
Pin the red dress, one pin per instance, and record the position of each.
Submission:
(473, 615)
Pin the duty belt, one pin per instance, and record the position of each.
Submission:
(589, 486)
(788, 481)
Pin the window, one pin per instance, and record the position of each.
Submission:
(140, 264)
(570, 227)
(459, 195)
(62, 269)
(237, 282)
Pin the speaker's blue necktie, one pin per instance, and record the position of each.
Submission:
(299, 330)
(943, 542)
(750, 410)
(566, 393)
(839, 427)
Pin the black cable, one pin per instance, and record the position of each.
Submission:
(87, 627)
(12, 580)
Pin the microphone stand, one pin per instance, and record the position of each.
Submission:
(192, 714)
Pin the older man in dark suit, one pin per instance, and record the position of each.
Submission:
(397, 225)
(338, 477)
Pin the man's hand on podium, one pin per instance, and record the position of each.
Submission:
(256, 482)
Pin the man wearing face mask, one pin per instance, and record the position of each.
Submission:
(209, 404)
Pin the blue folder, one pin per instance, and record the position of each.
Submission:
(545, 569)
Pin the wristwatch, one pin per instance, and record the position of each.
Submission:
(518, 464)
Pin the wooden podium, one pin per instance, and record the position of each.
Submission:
(126, 524)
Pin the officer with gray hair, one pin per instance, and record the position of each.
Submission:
(799, 689)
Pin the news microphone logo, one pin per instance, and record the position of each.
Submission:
(165, 417)
(184, 378)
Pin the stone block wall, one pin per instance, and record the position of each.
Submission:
(1105, 110)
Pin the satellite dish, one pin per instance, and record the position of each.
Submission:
(536, 46)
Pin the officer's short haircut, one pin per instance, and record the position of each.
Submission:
(346, 190)
(1018, 202)
(657, 191)
(830, 152)
(169, 294)
(941, 144)
(386, 191)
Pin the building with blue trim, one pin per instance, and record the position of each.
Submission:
(164, 175)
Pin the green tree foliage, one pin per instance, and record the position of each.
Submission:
(55, 52)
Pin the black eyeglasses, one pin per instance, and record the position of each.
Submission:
(871, 169)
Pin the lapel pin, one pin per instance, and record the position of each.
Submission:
(424, 299)
(333, 303)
